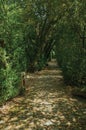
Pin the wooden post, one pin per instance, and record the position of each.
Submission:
(23, 75)
(24, 80)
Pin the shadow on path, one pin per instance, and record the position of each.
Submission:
(46, 105)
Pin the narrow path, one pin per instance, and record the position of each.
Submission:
(47, 105)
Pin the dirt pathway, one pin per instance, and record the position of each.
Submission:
(47, 105)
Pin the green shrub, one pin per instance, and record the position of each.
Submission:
(71, 58)
(9, 78)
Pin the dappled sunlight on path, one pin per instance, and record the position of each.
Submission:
(46, 105)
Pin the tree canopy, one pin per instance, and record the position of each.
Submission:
(30, 30)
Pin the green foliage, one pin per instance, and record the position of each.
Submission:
(28, 33)
(10, 84)
(9, 79)
(39, 28)
(70, 42)
(11, 49)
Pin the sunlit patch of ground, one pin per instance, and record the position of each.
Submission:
(47, 105)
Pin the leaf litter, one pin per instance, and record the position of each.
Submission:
(46, 105)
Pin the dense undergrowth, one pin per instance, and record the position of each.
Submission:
(71, 57)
